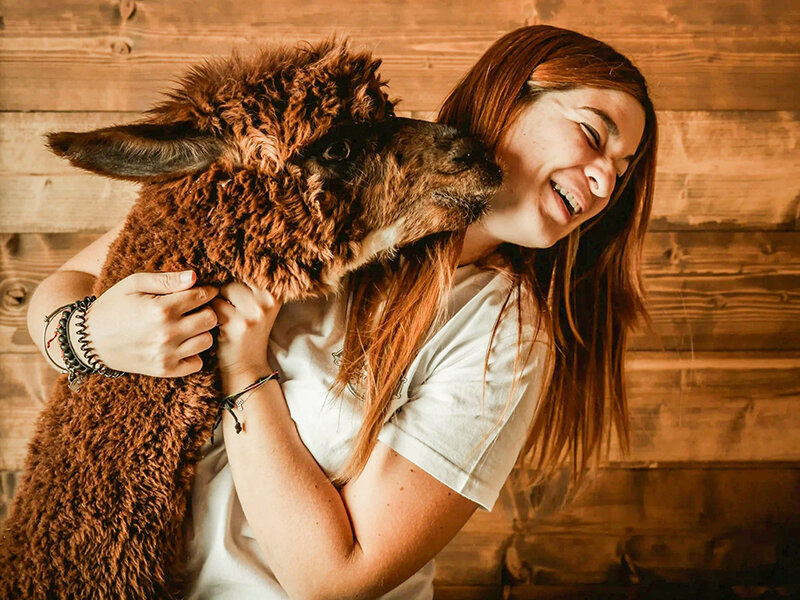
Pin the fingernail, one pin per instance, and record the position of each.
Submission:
(186, 276)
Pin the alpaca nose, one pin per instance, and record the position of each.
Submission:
(468, 151)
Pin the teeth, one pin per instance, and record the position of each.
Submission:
(570, 198)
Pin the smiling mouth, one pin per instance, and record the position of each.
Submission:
(567, 198)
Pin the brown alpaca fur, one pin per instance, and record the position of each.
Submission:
(284, 170)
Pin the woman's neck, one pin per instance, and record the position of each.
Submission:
(478, 243)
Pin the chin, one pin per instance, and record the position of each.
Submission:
(542, 239)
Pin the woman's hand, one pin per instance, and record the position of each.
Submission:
(245, 316)
(153, 323)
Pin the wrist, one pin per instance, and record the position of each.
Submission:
(77, 356)
(234, 380)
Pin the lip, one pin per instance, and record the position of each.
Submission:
(566, 216)
(578, 197)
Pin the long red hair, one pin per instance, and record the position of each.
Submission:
(586, 289)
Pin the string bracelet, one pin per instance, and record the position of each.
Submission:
(237, 401)
(46, 343)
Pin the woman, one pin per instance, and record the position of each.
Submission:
(375, 448)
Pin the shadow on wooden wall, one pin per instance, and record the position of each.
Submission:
(709, 495)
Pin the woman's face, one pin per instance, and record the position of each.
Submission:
(561, 157)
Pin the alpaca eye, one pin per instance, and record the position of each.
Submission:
(337, 151)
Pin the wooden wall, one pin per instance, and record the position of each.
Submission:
(710, 491)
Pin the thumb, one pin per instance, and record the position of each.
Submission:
(160, 283)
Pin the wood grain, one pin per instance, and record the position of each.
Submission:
(721, 312)
(706, 407)
(680, 522)
(721, 253)
(748, 179)
(24, 261)
(25, 384)
(86, 56)
(713, 406)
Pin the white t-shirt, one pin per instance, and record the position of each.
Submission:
(439, 420)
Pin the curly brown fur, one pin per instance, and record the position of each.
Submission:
(285, 170)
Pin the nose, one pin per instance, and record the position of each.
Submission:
(468, 151)
(602, 177)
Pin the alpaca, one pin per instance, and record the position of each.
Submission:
(285, 170)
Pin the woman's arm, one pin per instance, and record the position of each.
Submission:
(147, 323)
(359, 542)
(72, 281)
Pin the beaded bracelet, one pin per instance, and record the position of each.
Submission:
(76, 369)
(237, 401)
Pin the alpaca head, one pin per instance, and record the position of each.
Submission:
(297, 163)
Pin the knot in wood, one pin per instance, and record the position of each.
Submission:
(126, 9)
(120, 47)
(674, 255)
(10, 243)
(516, 570)
(15, 293)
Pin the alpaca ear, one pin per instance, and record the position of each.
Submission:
(140, 152)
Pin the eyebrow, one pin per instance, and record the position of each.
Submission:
(613, 130)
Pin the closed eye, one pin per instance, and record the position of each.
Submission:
(593, 135)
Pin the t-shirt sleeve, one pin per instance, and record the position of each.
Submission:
(467, 439)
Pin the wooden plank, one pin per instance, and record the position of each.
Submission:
(691, 253)
(63, 203)
(713, 406)
(710, 407)
(706, 166)
(24, 261)
(682, 522)
(90, 73)
(535, 592)
(463, 592)
(85, 57)
(141, 55)
(686, 523)
(25, 384)
(711, 15)
(749, 179)
(722, 312)
(707, 290)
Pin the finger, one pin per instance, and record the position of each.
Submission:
(160, 283)
(223, 309)
(188, 300)
(195, 345)
(187, 366)
(237, 294)
(263, 297)
(196, 323)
